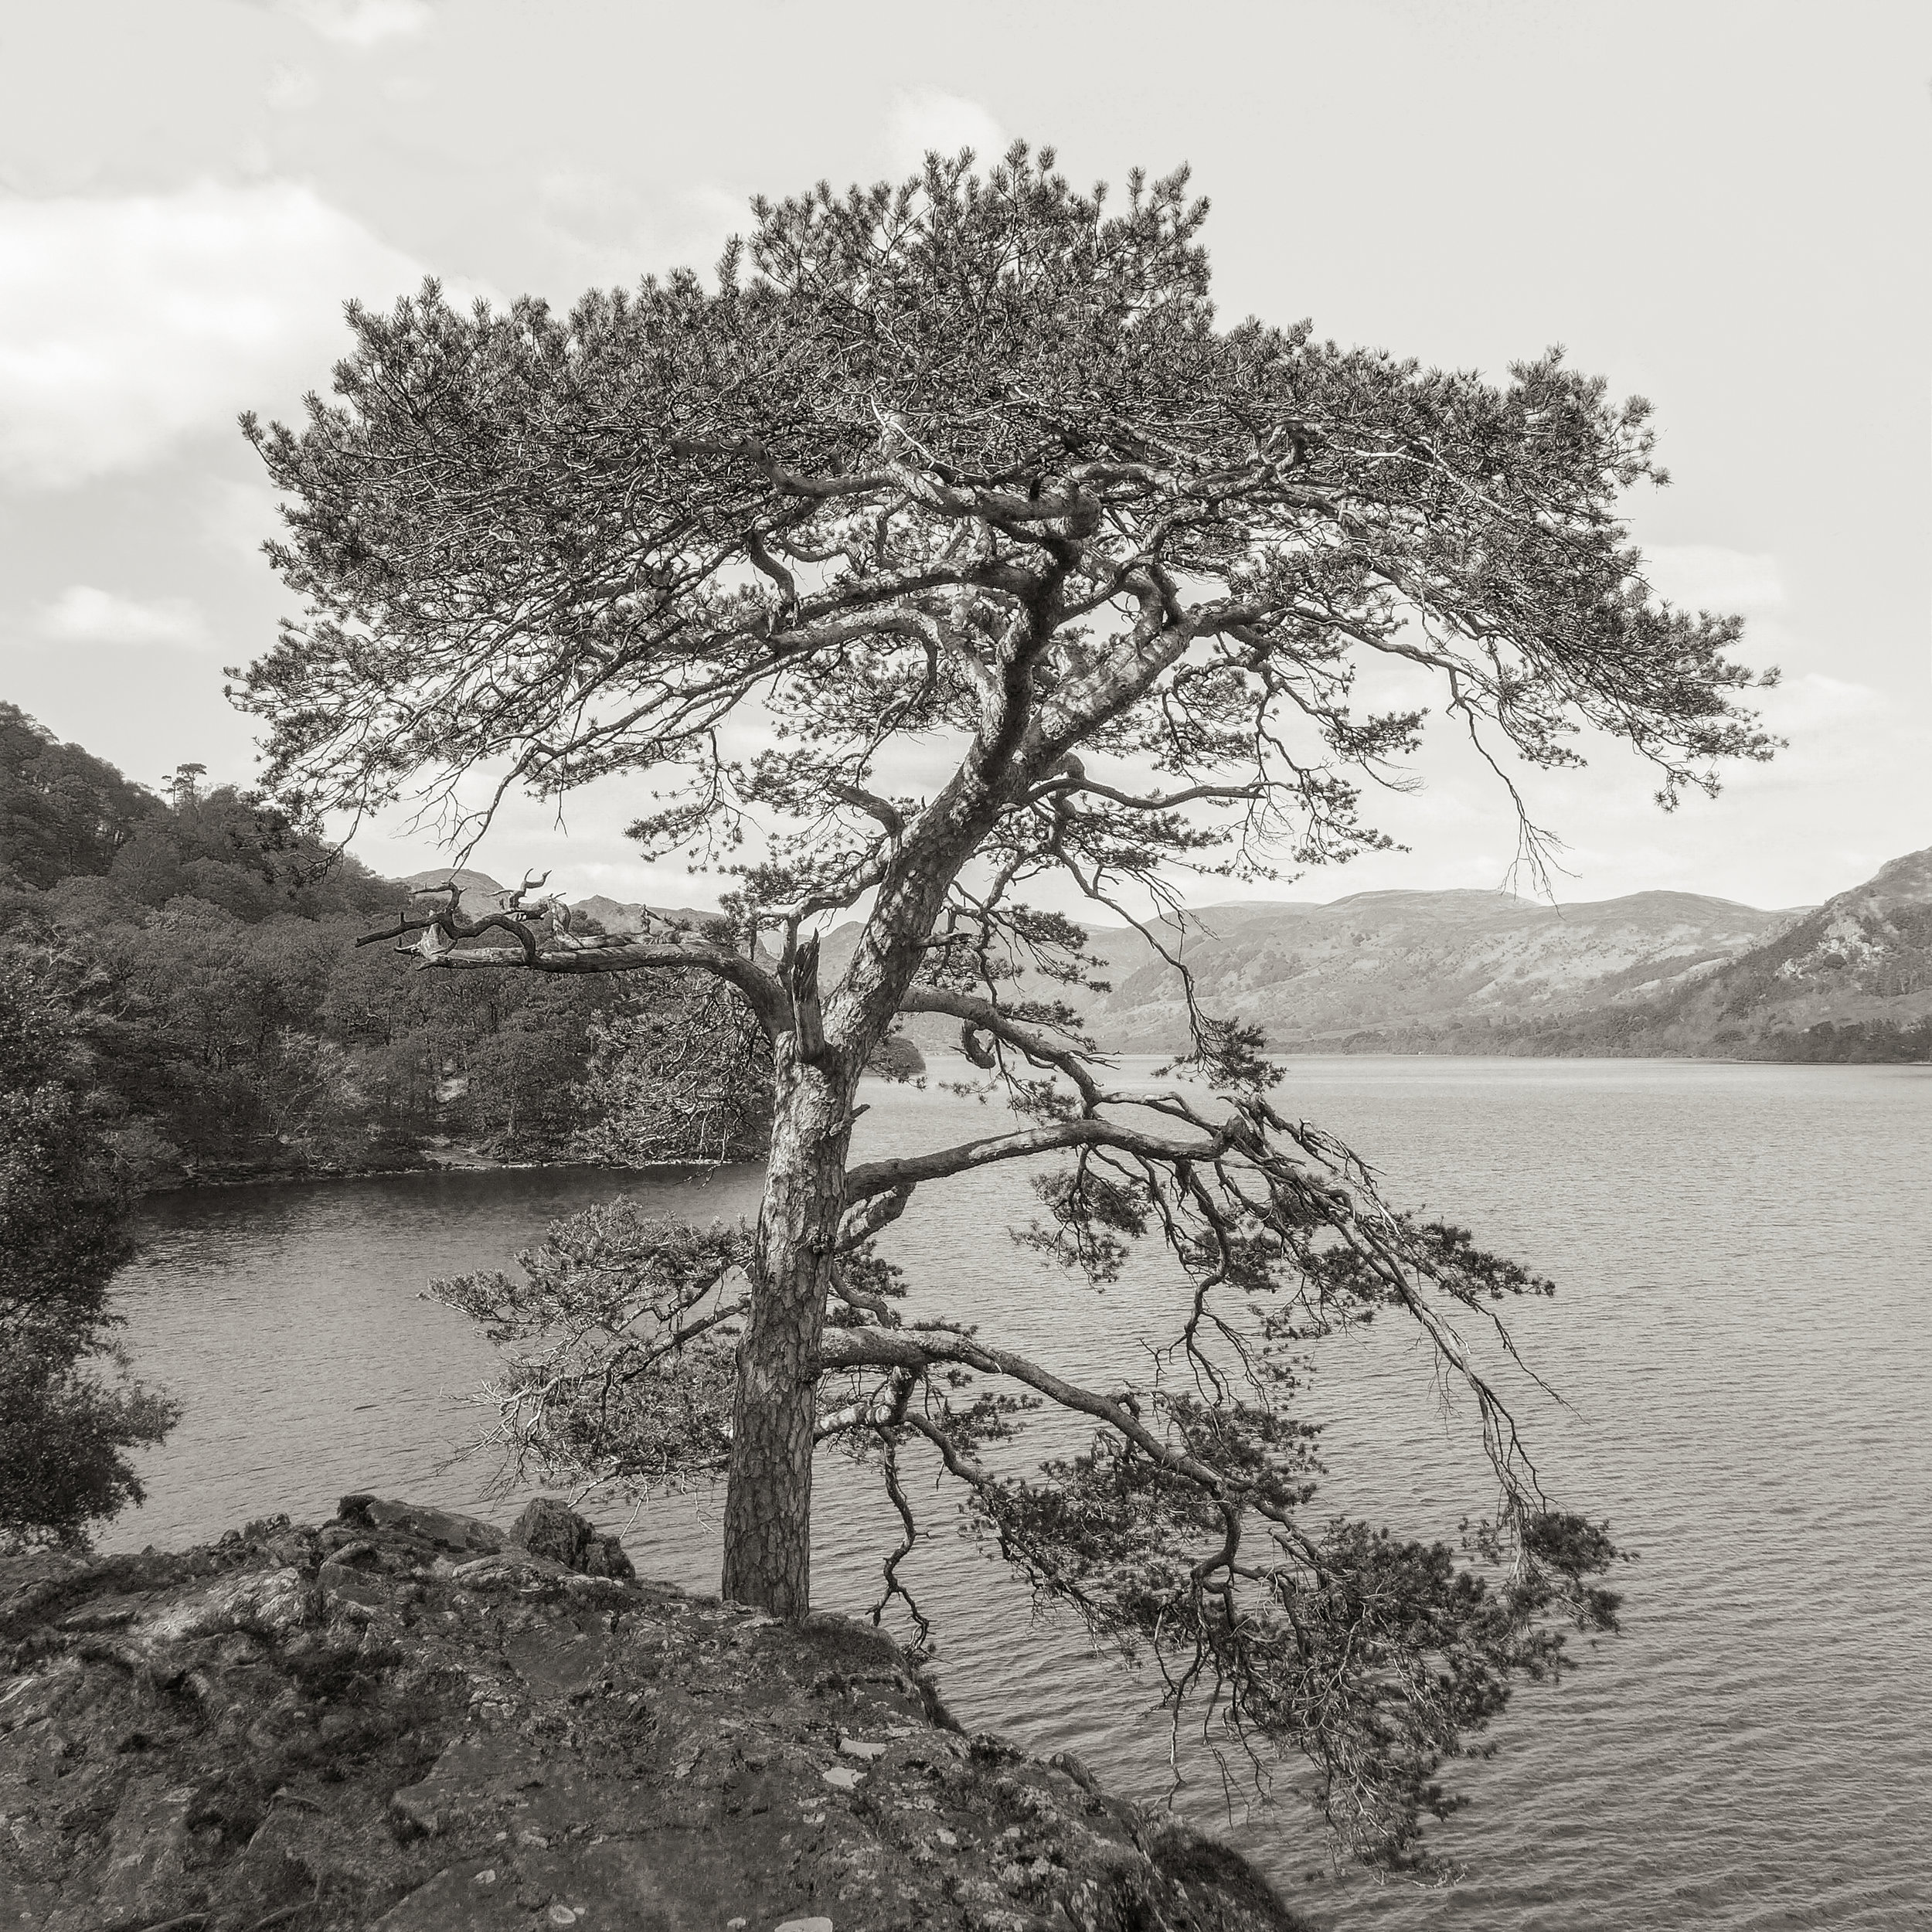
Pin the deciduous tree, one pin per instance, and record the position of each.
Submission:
(969, 465)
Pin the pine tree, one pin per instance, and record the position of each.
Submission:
(968, 464)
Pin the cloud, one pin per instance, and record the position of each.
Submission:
(237, 519)
(127, 323)
(610, 232)
(289, 89)
(1705, 577)
(924, 120)
(84, 615)
(1812, 695)
(1843, 738)
(361, 23)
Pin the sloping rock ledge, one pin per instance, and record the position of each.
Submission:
(407, 1719)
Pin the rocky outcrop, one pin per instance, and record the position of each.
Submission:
(547, 1528)
(408, 1719)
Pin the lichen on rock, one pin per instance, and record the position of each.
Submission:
(408, 1719)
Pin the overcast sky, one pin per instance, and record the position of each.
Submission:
(1723, 207)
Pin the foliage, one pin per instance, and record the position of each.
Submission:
(967, 466)
(239, 1028)
(65, 1433)
(896, 1058)
(678, 1068)
(649, 1306)
(65, 1426)
(1852, 1042)
(62, 1232)
(62, 812)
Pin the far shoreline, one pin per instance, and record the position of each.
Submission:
(475, 1161)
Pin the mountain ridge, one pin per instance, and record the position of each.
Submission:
(1314, 976)
(1850, 979)
(1463, 969)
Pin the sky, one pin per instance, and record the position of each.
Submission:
(1721, 207)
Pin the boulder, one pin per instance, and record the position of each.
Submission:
(548, 1527)
(442, 1527)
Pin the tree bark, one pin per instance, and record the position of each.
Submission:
(767, 1557)
(767, 1551)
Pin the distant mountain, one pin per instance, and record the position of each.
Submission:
(1850, 981)
(613, 915)
(1653, 974)
(478, 892)
(1314, 976)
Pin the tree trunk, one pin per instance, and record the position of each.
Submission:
(767, 1551)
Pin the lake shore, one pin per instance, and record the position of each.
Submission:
(451, 1161)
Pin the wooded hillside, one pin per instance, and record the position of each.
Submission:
(237, 1028)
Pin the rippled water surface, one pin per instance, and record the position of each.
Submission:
(1743, 1335)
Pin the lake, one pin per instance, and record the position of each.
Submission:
(1742, 1335)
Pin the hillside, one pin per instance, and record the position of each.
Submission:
(1849, 981)
(1653, 973)
(1315, 977)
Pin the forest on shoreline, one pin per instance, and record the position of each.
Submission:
(205, 942)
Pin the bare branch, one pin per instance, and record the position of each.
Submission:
(880, 1177)
(1041, 1047)
(760, 989)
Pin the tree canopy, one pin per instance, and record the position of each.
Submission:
(967, 471)
(62, 812)
(206, 955)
